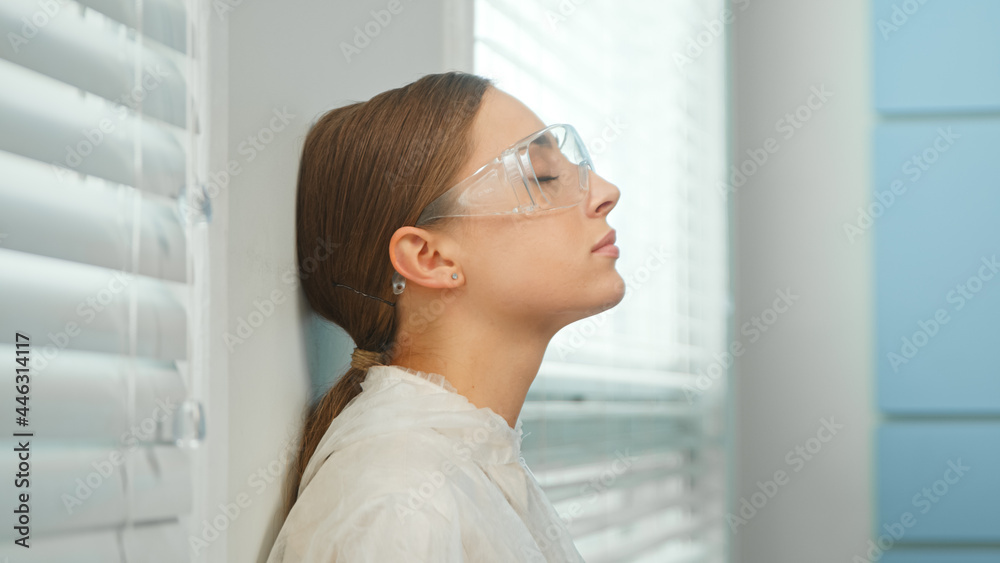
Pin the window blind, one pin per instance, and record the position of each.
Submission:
(628, 445)
(102, 274)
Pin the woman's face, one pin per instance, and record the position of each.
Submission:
(540, 267)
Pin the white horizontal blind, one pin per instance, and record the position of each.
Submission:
(629, 448)
(99, 250)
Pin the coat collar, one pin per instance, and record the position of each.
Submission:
(486, 433)
(397, 398)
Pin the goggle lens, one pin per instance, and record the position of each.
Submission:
(558, 168)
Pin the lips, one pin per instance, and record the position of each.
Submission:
(608, 239)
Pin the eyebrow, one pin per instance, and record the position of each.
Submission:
(543, 141)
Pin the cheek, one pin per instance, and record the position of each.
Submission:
(557, 263)
(499, 260)
(534, 256)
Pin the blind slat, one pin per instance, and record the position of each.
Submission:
(85, 399)
(162, 542)
(608, 445)
(51, 122)
(42, 296)
(163, 20)
(628, 550)
(158, 543)
(552, 410)
(99, 546)
(632, 508)
(87, 221)
(84, 50)
(582, 480)
(85, 487)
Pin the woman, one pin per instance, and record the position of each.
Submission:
(465, 234)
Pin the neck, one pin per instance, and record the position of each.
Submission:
(492, 363)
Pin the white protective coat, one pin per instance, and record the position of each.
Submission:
(412, 471)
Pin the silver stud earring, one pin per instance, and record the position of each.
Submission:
(454, 276)
(398, 283)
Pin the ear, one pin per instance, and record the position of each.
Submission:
(424, 257)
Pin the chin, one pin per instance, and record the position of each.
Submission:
(602, 295)
(617, 290)
(615, 300)
(612, 297)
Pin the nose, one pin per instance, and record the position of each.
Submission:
(603, 195)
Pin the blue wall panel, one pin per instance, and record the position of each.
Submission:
(946, 475)
(936, 55)
(942, 556)
(937, 252)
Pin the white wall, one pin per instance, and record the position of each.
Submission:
(814, 361)
(288, 55)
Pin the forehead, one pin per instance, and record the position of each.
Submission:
(502, 121)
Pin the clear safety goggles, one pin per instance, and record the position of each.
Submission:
(545, 170)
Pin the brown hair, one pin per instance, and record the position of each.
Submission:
(368, 168)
